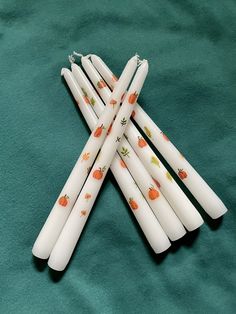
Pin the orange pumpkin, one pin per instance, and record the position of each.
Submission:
(133, 204)
(141, 142)
(101, 84)
(86, 99)
(98, 174)
(123, 164)
(98, 131)
(182, 174)
(133, 98)
(63, 200)
(153, 193)
(87, 196)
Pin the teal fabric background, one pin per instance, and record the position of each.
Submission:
(190, 93)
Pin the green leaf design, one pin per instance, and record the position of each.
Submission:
(123, 121)
(155, 161)
(148, 132)
(168, 175)
(124, 152)
(103, 169)
(92, 101)
(84, 92)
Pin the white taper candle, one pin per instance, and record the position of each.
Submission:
(70, 234)
(62, 208)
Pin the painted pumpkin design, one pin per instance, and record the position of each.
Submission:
(101, 84)
(63, 200)
(141, 142)
(98, 131)
(133, 98)
(182, 174)
(85, 96)
(153, 193)
(86, 99)
(133, 204)
(123, 164)
(87, 196)
(98, 174)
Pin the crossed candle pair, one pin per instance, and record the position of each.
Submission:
(155, 201)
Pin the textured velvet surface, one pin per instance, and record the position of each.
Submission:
(189, 92)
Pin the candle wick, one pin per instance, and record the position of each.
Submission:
(140, 61)
(71, 59)
(77, 54)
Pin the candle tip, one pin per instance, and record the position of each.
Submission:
(73, 66)
(63, 71)
(94, 57)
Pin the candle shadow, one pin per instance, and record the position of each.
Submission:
(39, 264)
(158, 258)
(187, 241)
(56, 276)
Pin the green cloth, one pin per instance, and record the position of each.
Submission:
(189, 92)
